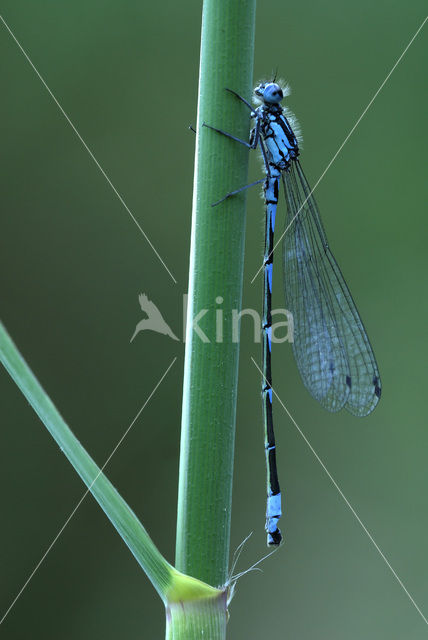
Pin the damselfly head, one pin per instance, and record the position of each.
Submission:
(269, 92)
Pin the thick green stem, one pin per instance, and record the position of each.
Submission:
(205, 618)
(215, 290)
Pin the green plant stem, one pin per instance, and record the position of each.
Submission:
(195, 620)
(215, 282)
(172, 586)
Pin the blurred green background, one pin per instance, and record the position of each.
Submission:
(73, 264)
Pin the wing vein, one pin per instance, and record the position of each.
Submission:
(331, 347)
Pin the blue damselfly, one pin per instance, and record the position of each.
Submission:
(331, 347)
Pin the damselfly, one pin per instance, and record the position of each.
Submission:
(331, 347)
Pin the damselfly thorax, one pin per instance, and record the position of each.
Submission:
(276, 132)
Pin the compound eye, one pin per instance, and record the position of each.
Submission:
(273, 93)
